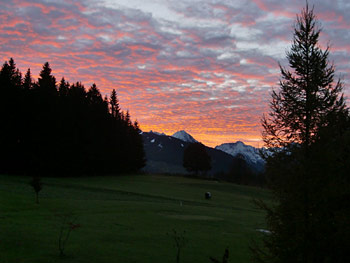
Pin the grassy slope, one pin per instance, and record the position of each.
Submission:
(126, 219)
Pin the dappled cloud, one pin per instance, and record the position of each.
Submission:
(203, 66)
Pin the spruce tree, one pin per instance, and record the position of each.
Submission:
(94, 96)
(63, 88)
(46, 81)
(45, 125)
(10, 76)
(139, 160)
(28, 81)
(11, 117)
(300, 109)
(113, 101)
(307, 91)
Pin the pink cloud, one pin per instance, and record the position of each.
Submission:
(167, 73)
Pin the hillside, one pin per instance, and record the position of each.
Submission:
(126, 219)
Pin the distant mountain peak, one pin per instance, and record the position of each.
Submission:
(250, 153)
(184, 136)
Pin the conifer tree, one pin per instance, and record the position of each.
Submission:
(77, 92)
(127, 119)
(94, 96)
(10, 76)
(11, 114)
(307, 91)
(113, 101)
(63, 88)
(28, 81)
(45, 121)
(300, 109)
(139, 153)
(46, 81)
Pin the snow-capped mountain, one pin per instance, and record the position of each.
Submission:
(250, 154)
(164, 154)
(184, 136)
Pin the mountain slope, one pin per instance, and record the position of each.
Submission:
(164, 154)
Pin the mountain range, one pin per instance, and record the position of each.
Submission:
(164, 154)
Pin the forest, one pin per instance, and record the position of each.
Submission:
(50, 128)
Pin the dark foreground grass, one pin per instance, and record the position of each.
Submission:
(126, 219)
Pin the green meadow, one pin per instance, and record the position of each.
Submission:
(127, 219)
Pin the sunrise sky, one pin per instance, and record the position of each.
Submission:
(206, 66)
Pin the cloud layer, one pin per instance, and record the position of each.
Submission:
(204, 66)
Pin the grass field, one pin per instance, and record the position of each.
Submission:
(126, 219)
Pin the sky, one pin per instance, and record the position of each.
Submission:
(204, 66)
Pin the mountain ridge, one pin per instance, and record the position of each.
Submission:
(164, 153)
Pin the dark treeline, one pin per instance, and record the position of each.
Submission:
(50, 128)
(241, 173)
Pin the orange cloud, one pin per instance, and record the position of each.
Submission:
(171, 75)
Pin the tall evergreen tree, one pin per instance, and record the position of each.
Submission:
(113, 101)
(138, 155)
(94, 96)
(45, 125)
(46, 81)
(300, 109)
(28, 81)
(307, 92)
(127, 119)
(10, 76)
(63, 88)
(77, 92)
(11, 117)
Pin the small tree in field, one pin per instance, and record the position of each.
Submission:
(179, 241)
(67, 226)
(37, 186)
(196, 158)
